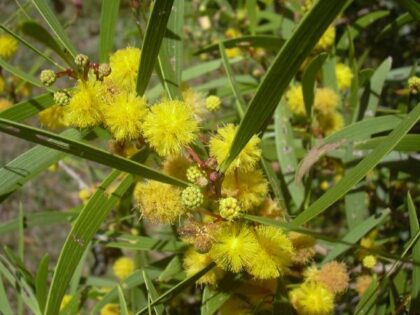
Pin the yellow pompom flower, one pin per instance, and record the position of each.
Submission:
(274, 253)
(330, 123)
(5, 104)
(159, 202)
(84, 109)
(232, 33)
(312, 298)
(53, 117)
(362, 284)
(233, 52)
(196, 102)
(326, 40)
(326, 101)
(176, 166)
(123, 267)
(250, 188)
(369, 261)
(124, 65)
(124, 116)
(8, 46)
(333, 275)
(220, 146)
(2, 84)
(304, 247)
(169, 127)
(213, 103)
(294, 100)
(344, 76)
(195, 262)
(110, 309)
(234, 247)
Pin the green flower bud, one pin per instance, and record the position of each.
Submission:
(414, 84)
(192, 197)
(104, 70)
(196, 176)
(229, 208)
(61, 98)
(48, 77)
(81, 60)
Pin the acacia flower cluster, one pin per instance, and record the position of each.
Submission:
(208, 213)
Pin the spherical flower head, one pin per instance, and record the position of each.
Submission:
(324, 185)
(232, 33)
(362, 284)
(294, 100)
(196, 175)
(104, 70)
(271, 209)
(81, 60)
(192, 197)
(195, 262)
(169, 127)
(414, 84)
(274, 253)
(110, 309)
(220, 145)
(250, 188)
(123, 267)
(53, 117)
(8, 46)
(124, 117)
(85, 107)
(5, 104)
(304, 248)
(2, 84)
(326, 101)
(176, 166)
(369, 261)
(124, 68)
(196, 103)
(312, 298)
(330, 123)
(85, 193)
(333, 275)
(311, 274)
(326, 40)
(61, 98)
(233, 52)
(48, 77)
(234, 247)
(213, 103)
(159, 202)
(229, 208)
(344, 76)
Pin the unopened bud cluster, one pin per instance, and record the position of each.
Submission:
(196, 176)
(229, 208)
(192, 197)
(61, 98)
(414, 84)
(48, 77)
